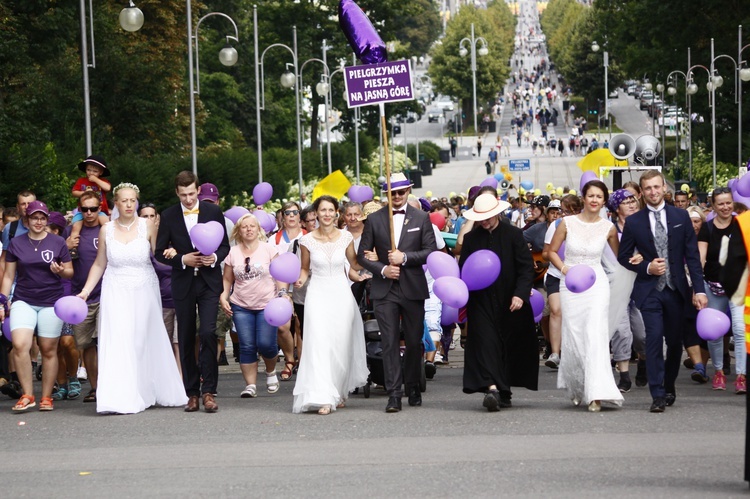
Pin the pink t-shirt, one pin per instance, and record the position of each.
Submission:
(253, 285)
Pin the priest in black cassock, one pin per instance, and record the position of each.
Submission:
(501, 344)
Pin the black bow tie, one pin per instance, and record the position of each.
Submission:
(399, 212)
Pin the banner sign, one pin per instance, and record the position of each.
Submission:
(519, 165)
(375, 83)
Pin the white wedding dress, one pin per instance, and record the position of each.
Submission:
(137, 368)
(585, 367)
(333, 359)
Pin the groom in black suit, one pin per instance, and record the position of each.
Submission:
(196, 282)
(665, 237)
(399, 288)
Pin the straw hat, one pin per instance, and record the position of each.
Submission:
(369, 209)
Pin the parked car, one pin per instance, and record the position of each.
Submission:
(614, 94)
(434, 115)
(654, 108)
(645, 99)
(444, 103)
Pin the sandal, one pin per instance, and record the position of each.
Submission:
(272, 382)
(249, 392)
(25, 402)
(288, 371)
(46, 404)
(61, 393)
(74, 388)
(91, 397)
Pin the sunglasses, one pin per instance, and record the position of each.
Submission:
(291, 212)
(247, 265)
(401, 192)
(88, 209)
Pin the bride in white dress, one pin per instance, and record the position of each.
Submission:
(585, 368)
(137, 368)
(334, 360)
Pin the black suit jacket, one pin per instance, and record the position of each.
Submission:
(173, 233)
(417, 242)
(682, 248)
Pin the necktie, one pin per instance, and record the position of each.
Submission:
(194, 211)
(662, 242)
(399, 212)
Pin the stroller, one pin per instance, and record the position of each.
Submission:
(373, 342)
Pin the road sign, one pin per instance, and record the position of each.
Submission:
(519, 165)
(374, 83)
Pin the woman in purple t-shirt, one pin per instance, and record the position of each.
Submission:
(37, 261)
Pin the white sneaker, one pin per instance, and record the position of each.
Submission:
(438, 358)
(553, 362)
(82, 374)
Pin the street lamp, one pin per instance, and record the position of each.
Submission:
(321, 90)
(672, 90)
(227, 56)
(463, 52)
(595, 48)
(662, 132)
(288, 80)
(131, 19)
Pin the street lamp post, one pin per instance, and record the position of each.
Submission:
(327, 106)
(422, 80)
(662, 131)
(463, 52)
(595, 48)
(131, 19)
(672, 90)
(227, 56)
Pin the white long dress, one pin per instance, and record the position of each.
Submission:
(333, 356)
(137, 368)
(585, 368)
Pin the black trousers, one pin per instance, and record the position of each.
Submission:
(390, 312)
(204, 302)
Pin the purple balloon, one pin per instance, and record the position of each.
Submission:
(452, 291)
(207, 237)
(712, 324)
(266, 220)
(449, 315)
(737, 197)
(538, 318)
(742, 186)
(580, 278)
(585, 179)
(537, 302)
(71, 309)
(235, 213)
(354, 193)
(366, 193)
(285, 268)
(361, 34)
(6, 328)
(441, 265)
(278, 311)
(489, 181)
(480, 269)
(262, 193)
(731, 182)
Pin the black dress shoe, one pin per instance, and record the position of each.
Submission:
(415, 397)
(669, 399)
(658, 405)
(394, 404)
(505, 402)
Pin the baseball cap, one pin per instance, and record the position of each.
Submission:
(58, 219)
(209, 192)
(36, 206)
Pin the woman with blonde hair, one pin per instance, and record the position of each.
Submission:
(248, 287)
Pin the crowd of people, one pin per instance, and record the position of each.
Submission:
(159, 308)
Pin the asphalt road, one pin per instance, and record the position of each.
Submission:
(450, 446)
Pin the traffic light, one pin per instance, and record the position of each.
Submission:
(593, 111)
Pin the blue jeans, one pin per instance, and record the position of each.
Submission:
(716, 347)
(255, 335)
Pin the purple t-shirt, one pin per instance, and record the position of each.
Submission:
(88, 245)
(164, 273)
(35, 282)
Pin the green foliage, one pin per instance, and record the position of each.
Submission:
(703, 169)
(451, 74)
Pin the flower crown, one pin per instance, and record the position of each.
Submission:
(126, 185)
